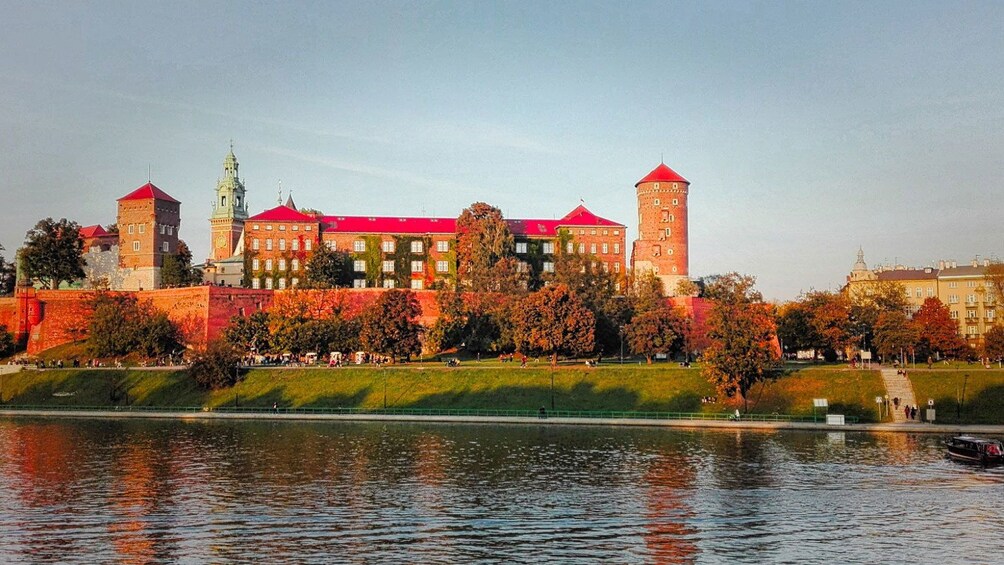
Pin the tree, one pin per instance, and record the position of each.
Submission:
(687, 287)
(7, 342)
(250, 333)
(657, 331)
(870, 301)
(121, 324)
(818, 320)
(483, 239)
(8, 275)
(895, 334)
(217, 367)
(53, 252)
(328, 268)
(596, 288)
(993, 343)
(390, 326)
(647, 292)
(178, 269)
(742, 351)
(553, 321)
(937, 331)
(795, 327)
(994, 278)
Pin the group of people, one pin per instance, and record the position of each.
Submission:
(909, 411)
(709, 399)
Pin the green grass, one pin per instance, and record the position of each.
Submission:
(660, 388)
(984, 393)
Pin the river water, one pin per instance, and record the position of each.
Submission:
(87, 491)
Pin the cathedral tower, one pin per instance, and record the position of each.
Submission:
(229, 210)
(662, 246)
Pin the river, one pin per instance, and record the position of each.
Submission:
(86, 491)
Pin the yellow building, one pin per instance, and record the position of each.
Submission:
(962, 288)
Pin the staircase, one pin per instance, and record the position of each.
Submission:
(898, 386)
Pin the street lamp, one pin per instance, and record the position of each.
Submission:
(620, 332)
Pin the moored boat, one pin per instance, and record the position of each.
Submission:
(976, 450)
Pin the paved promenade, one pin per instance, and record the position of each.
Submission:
(625, 422)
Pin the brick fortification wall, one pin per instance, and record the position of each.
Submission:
(65, 315)
(347, 303)
(8, 313)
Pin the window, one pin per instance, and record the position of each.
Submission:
(135, 246)
(522, 267)
(142, 228)
(282, 264)
(990, 314)
(170, 230)
(606, 248)
(582, 232)
(359, 283)
(604, 232)
(388, 283)
(675, 186)
(676, 202)
(282, 228)
(953, 298)
(388, 267)
(296, 244)
(295, 264)
(669, 232)
(167, 247)
(417, 266)
(548, 267)
(606, 267)
(952, 284)
(521, 247)
(306, 228)
(332, 244)
(359, 266)
(359, 245)
(665, 215)
(387, 246)
(592, 248)
(442, 267)
(268, 227)
(416, 284)
(656, 202)
(669, 251)
(163, 229)
(254, 244)
(919, 292)
(617, 232)
(656, 250)
(268, 245)
(295, 228)
(256, 283)
(570, 248)
(617, 267)
(416, 247)
(955, 314)
(282, 284)
(268, 264)
(930, 291)
(268, 284)
(308, 244)
(582, 248)
(295, 281)
(657, 186)
(971, 284)
(444, 246)
(592, 232)
(255, 227)
(255, 265)
(617, 248)
(282, 245)
(548, 248)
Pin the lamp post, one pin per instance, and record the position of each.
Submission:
(620, 331)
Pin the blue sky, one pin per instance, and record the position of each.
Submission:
(806, 129)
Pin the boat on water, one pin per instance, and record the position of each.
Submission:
(976, 450)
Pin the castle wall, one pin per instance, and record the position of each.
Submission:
(8, 313)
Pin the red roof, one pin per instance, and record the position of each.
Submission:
(363, 224)
(93, 231)
(282, 214)
(148, 191)
(662, 173)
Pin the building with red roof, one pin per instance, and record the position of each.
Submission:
(663, 246)
(148, 221)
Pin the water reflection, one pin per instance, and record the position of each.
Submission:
(139, 492)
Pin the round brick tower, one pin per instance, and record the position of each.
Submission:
(662, 246)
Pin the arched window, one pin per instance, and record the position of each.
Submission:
(223, 202)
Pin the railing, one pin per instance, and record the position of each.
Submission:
(471, 412)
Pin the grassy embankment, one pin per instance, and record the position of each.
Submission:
(983, 399)
(660, 387)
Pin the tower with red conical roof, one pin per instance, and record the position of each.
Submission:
(662, 246)
(148, 222)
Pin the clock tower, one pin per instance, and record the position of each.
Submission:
(229, 210)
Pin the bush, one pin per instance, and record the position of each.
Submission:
(7, 343)
(218, 367)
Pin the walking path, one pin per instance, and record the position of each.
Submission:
(897, 385)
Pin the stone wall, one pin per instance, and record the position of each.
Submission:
(8, 313)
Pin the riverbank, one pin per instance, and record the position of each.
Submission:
(509, 420)
(489, 386)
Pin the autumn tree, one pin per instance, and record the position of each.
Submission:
(483, 239)
(553, 321)
(249, 333)
(895, 334)
(868, 302)
(328, 268)
(597, 289)
(661, 330)
(217, 367)
(994, 278)
(178, 269)
(474, 324)
(742, 351)
(647, 292)
(687, 287)
(818, 320)
(993, 343)
(390, 327)
(53, 252)
(938, 332)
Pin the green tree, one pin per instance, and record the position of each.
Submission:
(868, 302)
(818, 320)
(328, 268)
(217, 367)
(483, 239)
(938, 333)
(597, 289)
(121, 325)
(250, 333)
(7, 342)
(993, 343)
(742, 351)
(553, 321)
(7, 275)
(895, 334)
(687, 287)
(178, 269)
(647, 292)
(390, 327)
(795, 327)
(53, 252)
(657, 331)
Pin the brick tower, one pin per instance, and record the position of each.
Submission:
(662, 246)
(229, 211)
(148, 222)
